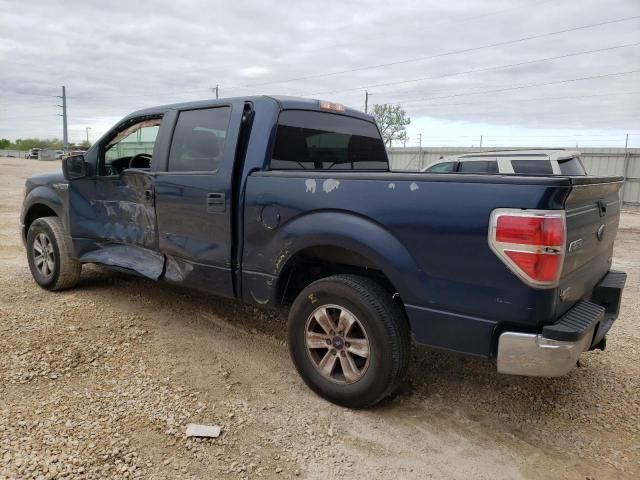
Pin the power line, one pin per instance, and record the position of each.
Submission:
(535, 99)
(525, 85)
(602, 137)
(31, 94)
(444, 54)
(478, 70)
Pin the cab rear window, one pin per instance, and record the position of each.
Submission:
(307, 140)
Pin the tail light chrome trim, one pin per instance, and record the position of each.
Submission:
(501, 248)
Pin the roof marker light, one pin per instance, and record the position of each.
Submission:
(335, 107)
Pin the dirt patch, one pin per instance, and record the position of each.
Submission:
(100, 382)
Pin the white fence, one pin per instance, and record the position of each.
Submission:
(12, 153)
(597, 161)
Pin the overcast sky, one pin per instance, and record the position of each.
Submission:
(429, 56)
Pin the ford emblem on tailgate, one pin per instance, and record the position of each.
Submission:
(600, 232)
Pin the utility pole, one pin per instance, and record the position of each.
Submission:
(420, 162)
(625, 168)
(366, 101)
(480, 141)
(216, 90)
(65, 136)
(86, 129)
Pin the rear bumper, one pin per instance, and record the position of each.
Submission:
(555, 350)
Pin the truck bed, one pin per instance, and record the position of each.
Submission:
(428, 234)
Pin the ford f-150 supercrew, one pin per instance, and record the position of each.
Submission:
(291, 202)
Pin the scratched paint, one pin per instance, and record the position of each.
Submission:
(280, 259)
(329, 185)
(126, 222)
(177, 270)
(259, 301)
(413, 187)
(310, 183)
(392, 186)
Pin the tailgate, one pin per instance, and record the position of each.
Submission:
(592, 212)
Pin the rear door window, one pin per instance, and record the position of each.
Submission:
(479, 166)
(308, 140)
(532, 167)
(198, 140)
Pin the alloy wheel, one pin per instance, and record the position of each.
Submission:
(43, 256)
(337, 344)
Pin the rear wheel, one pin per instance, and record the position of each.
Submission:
(50, 255)
(348, 340)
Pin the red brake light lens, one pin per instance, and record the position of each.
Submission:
(530, 242)
(548, 231)
(541, 267)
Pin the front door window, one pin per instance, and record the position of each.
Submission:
(132, 147)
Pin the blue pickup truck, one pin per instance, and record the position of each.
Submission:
(290, 202)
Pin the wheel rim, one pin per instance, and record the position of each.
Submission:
(337, 344)
(43, 257)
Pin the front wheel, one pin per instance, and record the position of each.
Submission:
(349, 340)
(50, 255)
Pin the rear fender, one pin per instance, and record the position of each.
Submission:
(337, 229)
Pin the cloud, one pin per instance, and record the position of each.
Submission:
(253, 72)
(115, 57)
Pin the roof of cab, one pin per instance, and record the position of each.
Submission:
(284, 103)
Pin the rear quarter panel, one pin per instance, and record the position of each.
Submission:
(427, 233)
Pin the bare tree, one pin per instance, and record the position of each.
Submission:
(392, 121)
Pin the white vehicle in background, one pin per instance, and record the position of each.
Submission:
(523, 162)
(59, 154)
(33, 154)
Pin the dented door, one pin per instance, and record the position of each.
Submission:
(114, 222)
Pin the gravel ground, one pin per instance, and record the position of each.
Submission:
(100, 382)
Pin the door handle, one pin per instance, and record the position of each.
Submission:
(602, 208)
(215, 198)
(148, 194)
(216, 202)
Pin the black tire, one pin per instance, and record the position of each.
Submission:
(385, 329)
(64, 270)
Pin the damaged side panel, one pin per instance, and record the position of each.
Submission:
(130, 257)
(206, 278)
(114, 223)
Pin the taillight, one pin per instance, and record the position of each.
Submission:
(530, 242)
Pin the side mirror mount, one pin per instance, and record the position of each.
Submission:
(74, 167)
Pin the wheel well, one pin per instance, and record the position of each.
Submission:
(314, 263)
(36, 211)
